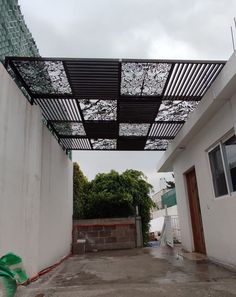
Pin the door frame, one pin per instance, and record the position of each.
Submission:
(195, 214)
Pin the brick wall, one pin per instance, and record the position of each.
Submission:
(104, 234)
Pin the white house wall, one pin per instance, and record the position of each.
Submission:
(218, 215)
(27, 152)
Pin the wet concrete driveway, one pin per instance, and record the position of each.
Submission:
(141, 272)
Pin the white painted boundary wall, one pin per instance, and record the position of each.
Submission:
(35, 183)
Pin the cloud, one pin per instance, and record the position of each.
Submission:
(131, 28)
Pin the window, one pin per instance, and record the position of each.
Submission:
(223, 167)
(230, 150)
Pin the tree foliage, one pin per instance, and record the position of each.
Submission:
(112, 195)
(80, 184)
(117, 195)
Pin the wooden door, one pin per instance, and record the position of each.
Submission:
(195, 212)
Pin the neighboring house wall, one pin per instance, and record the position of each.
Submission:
(218, 214)
(15, 37)
(171, 211)
(169, 198)
(35, 183)
(157, 199)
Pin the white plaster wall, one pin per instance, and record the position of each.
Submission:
(218, 214)
(35, 184)
(56, 203)
(20, 173)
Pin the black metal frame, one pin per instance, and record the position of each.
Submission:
(137, 88)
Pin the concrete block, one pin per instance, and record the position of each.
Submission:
(104, 233)
(110, 239)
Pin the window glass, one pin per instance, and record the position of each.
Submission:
(218, 174)
(230, 149)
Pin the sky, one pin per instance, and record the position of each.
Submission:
(170, 29)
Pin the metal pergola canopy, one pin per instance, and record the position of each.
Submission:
(112, 104)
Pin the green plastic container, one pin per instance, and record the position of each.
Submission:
(11, 274)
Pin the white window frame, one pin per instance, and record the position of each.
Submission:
(227, 175)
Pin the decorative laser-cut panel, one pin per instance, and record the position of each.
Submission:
(133, 129)
(157, 144)
(146, 79)
(175, 110)
(69, 128)
(103, 144)
(44, 77)
(104, 110)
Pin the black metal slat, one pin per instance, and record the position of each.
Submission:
(64, 106)
(189, 81)
(162, 130)
(50, 110)
(43, 108)
(75, 107)
(178, 79)
(178, 127)
(75, 142)
(77, 102)
(174, 129)
(172, 81)
(210, 79)
(71, 108)
(50, 115)
(154, 129)
(198, 80)
(193, 80)
(168, 130)
(203, 79)
(67, 107)
(184, 81)
(169, 82)
(59, 106)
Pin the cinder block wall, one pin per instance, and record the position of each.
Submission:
(105, 234)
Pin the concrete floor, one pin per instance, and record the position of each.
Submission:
(144, 272)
